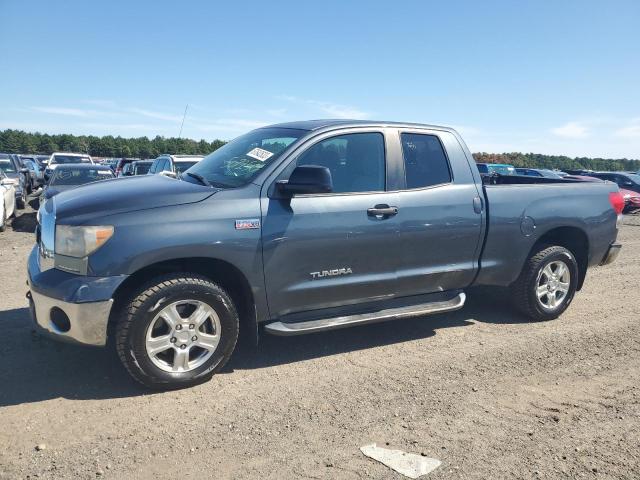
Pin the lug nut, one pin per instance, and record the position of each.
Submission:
(192, 326)
(173, 340)
(178, 327)
(194, 338)
(183, 346)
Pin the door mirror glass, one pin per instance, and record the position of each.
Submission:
(306, 179)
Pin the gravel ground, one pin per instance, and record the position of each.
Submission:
(489, 394)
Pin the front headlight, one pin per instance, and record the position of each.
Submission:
(79, 242)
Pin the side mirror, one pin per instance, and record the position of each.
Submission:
(127, 173)
(306, 179)
(168, 173)
(24, 170)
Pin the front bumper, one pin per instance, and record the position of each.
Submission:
(84, 323)
(73, 308)
(612, 254)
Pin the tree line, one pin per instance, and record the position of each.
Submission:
(17, 141)
(560, 162)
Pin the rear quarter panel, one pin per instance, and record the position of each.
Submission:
(519, 215)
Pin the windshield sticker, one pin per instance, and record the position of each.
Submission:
(259, 154)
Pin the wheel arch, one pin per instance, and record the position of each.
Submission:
(573, 239)
(223, 273)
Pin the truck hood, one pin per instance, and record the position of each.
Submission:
(120, 195)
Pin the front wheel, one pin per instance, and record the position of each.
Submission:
(547, 284)
(177, 331)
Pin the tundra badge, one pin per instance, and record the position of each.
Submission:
(332, 273)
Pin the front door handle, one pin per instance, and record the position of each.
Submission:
(382, 211)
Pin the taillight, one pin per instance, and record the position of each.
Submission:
(617, 202)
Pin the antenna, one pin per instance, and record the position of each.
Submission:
(183, 117)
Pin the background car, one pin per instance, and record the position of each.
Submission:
(582, 178)
(577, 171)
(17, 174)
(139, 167)
(121, 163)
(36, 173)
(631, 200)
(627, 181)
(496, 168)
(173, 165)
(539, 172)
(61, 158)
(69, 176)
(127, 170)
(111, 163)
(42, 160)
(7, 200)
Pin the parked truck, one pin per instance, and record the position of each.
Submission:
(305, 227)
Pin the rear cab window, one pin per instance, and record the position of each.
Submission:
(425, 161)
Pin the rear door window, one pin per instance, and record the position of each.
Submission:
(425, 162)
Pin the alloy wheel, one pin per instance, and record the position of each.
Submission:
(183, 336)
(553, 284)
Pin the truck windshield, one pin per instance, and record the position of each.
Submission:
(240, 160)
(7, 165)
(79, 176)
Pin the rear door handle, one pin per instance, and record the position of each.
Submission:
(382, 211)
(477, 205)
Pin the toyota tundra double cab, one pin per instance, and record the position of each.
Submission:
(303, 227)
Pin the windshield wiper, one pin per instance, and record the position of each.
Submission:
(200, 178)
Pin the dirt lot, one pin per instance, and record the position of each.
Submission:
(489, 394)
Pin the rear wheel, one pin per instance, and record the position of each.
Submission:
(547, 283)
(177, 331)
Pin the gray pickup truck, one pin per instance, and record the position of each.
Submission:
(304, 227)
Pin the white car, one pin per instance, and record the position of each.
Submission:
(7, 200)
(60, 158)
(173, 165)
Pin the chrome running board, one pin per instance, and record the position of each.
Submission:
(299, 328)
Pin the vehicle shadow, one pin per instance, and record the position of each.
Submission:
(37, 368)
(482, 306)
(25, 221)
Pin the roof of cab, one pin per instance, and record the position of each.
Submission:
(328, 123)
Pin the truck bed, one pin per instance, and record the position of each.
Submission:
(521, 211)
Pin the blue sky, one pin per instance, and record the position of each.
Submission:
(557, 77)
